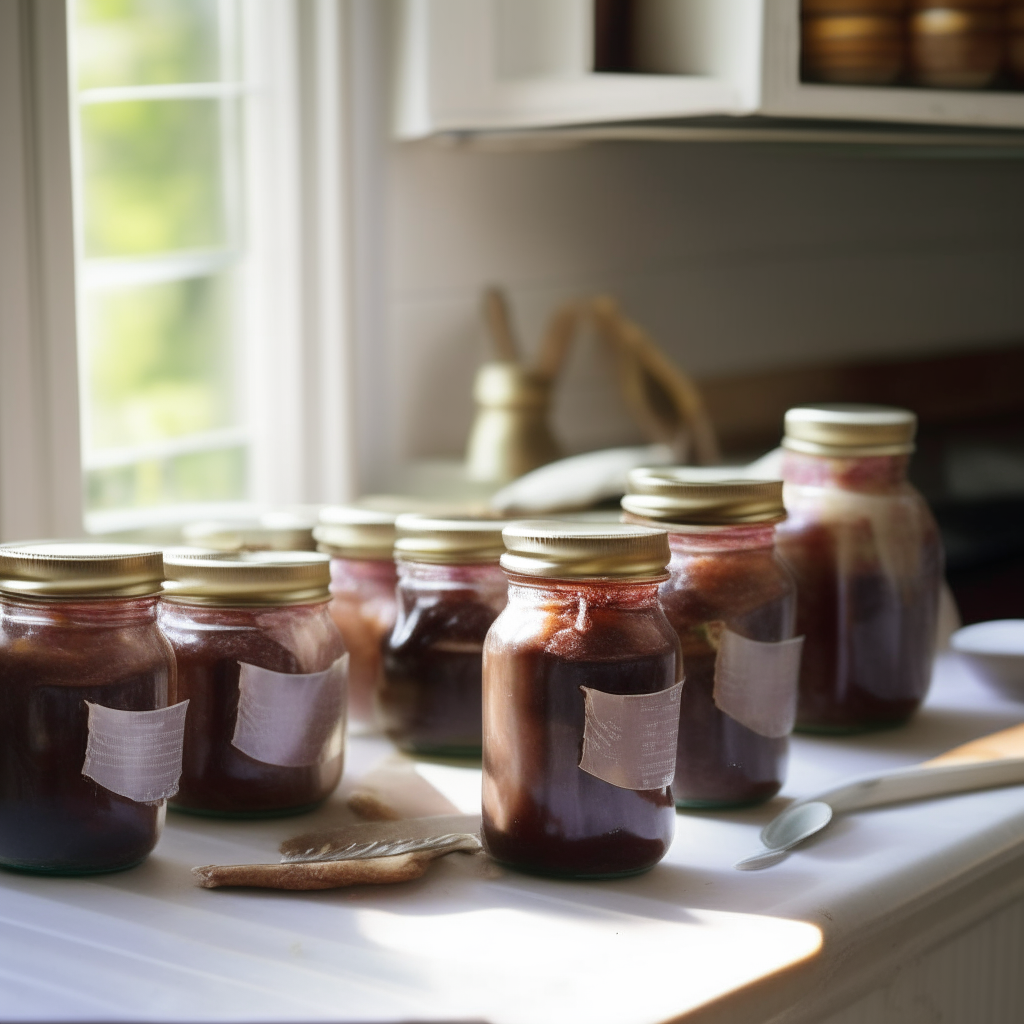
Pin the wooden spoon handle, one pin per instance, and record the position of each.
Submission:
(499, 322)
(1008, 743)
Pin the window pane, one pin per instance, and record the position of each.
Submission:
(146, 42)
(158, 362)
(218, 475)
(152, 176)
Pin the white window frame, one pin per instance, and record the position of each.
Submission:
(298, 384)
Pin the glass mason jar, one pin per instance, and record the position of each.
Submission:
(450, 590)
(868, 563)
(264, 668)
(582, 677)
(361, 544)
(90, 748)
(732, 601)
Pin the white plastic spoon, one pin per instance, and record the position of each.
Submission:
(804, 818)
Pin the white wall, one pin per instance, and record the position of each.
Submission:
(734, 258)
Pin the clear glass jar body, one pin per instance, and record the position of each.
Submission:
(541, 812)
(430, 700)
(868, 562)
(209, 644)
(725, 578)
(54, 657)
(363, 606)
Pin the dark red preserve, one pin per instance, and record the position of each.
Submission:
(264, 669)
(732, 602)
(868, 562)
(89, 748)
(581, 703)
(450, 590)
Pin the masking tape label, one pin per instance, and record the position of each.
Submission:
(136, 754)
(629, 739)
(756, 682)
(291, 719)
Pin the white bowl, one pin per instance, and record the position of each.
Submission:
(995, 650)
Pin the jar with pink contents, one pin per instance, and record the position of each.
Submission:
(868, 562)
(363, 580)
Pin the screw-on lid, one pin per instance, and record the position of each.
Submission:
(63, 570)
(562, 550)
(352, 532)
(850, 430)
(273, 531)
(703, 497)
(454, 540)
(248, 578)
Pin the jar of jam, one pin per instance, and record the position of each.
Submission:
(264, 669)
(361, 544)
(868, 562)
(271, 531)
(732, 601)
(90, 747)
(450, 590)
(582, 680)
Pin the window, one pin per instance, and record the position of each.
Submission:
(158, 154)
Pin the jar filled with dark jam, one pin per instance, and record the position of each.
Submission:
(732, 601)
(90, 747)
(582, 680)
(361, 544)
(450, 590)
(868, 562)
(264, 669)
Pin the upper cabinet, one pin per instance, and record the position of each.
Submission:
(479, 65)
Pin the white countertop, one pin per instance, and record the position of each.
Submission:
(473, 942)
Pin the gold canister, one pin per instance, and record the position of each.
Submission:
(956, 44)
(510, 434)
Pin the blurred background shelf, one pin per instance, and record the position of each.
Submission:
(487, 65)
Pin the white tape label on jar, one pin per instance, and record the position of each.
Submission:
(136, 754)
(756, 682)
(291, 719)
(629, 739)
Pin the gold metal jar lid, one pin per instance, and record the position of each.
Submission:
(565, 550)
(248, 578)
(850, 430)
(454, 540)
(69, 569)
(273, 531)
(353, 532)
(709, 497)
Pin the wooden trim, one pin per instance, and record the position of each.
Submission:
(946, 390)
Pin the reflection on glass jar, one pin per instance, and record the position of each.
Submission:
(581, 703)
(84, 673)
(868, 563)
(450, 590)
(732, 602)
(264, 669)
(361, 544)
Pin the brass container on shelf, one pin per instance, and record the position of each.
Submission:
(957, 44)
(510, 434)
(853, 42)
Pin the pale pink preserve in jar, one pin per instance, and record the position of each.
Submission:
(868, 562)
(361, 545)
